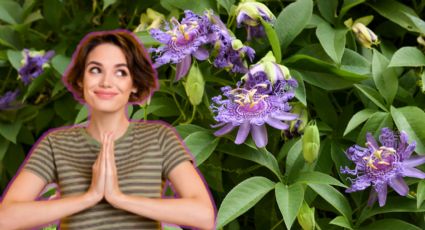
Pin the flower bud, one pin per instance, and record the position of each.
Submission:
(365, 36)
(250, 12)
(194, 85)
(311, 143)
(273, 70)
(150, 20)
(305, 217)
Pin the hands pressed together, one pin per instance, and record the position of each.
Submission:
(105, 177)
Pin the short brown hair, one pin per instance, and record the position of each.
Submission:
(143, 74)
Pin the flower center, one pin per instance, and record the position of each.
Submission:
(381, 160)
(183, 34)
(250, 101)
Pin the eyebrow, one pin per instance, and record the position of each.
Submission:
(100, 64)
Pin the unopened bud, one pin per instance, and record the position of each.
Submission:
(365, 36)
(194, 85)
(305, 217)
(311, 143)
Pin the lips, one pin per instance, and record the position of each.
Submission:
(104, 94)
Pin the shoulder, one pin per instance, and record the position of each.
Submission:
(72, 132)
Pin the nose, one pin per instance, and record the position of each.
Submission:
(105, 81)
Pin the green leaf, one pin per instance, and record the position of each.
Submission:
(393, 204)
(10, 130)
(198, 8)
(163, 107)
(374, 125)
(292, 20)
(35, 85)
(411, 120)
(34, 16)
(82, 115)
(294, 154)
(358, 118)
(315, 177)
(332, 41)
(373, 95)
(52, 11)
(419, 23)
(395, 12)
(10, 12)
(201, 144)
(15, 58)
(420, 193)
(171, 228)
(408, 56)
(342, 222)
(289, 200)
(300, 92)
(263, 158)
(390, 224)
(186, 129)
(333, 197)
(328, 9)
(226, 4)
(423, 80)
(60, 63)
(9, 37)
(348, 4)
(147, 39)
(273, 40)
(107, 3)
(386, 79)
(355, 63)
(4, 144)
(241, 198)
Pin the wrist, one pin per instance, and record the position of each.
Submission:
(90, 198)
(116, 199)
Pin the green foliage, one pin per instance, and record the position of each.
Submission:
(347, 89)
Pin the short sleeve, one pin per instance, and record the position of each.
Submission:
(173, 149)
(41, 161)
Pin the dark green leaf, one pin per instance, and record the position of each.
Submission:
(408, 56)
(10, 12)
(201, 144)
(420, 193)
(82, 115)
(273, 39)
(374, 125)
(334, 197)
(263, 158)
(186, 129)
(198, 8)
(386, 79)
(10, 130)
(327, 9)
(373, 95)
(60, 63)
(292, 20)
(9, 37)
(300, 93)
(289, 200)
(411, 120)
(332, 41)
(348, 4)
(358, 118)
(107, 3)
(390, 224)
(226, 4)
(241, 198)
(15, 58)
(342, 222)
(4, 144)
(318, 178)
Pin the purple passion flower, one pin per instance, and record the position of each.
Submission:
(379, 166)
(181, 41)
(6, 101)
(33, 64)
(253, 105)
(249, 14)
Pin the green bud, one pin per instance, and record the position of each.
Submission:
(253, 9)
(305, 217)
(194, 85)
(311, 143)
(298, 125)
(237, 44)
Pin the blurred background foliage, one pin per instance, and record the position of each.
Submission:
(347, 88)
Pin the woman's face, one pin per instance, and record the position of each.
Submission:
(107, 83)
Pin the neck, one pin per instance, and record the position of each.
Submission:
(101, 122)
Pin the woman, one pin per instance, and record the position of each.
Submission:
(111, 172)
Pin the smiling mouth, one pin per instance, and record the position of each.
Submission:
(103, 95)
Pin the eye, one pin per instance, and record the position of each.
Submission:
(122, 73)
(94, 70)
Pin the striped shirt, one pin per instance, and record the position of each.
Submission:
(144, 156)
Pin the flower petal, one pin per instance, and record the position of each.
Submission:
(242, 133)
(201, 54)
(373, 196)
(413, 172)
(414, 161)
(224, 130)
(381, 189)
(276, 123)
(183, 67)
(259, 134)
(285, 116)
(398, 184)
(371, 141)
